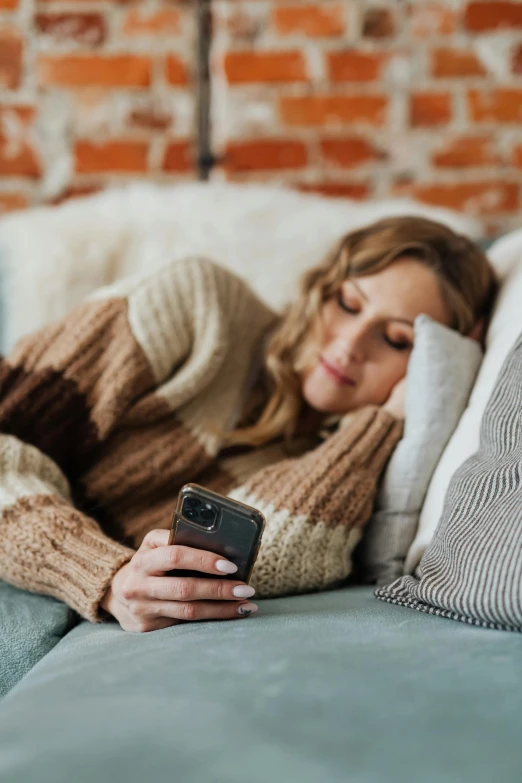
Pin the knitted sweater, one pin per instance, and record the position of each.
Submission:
(105, 414)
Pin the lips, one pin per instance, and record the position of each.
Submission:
(337, 375)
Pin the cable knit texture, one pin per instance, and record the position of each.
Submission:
(105, 414)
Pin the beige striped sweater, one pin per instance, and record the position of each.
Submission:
(106, 413)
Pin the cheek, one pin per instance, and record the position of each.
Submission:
(390, 373)
(329, 319)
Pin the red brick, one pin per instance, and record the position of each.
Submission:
(110, 156)
(517, 156)
(8, 5)
(80, 70)
(87, 29)
(430, 109)
(9, 202)
(378, 23)
(178, 157)
(317, 110)
(150, 118)
(499, 105)
(357, 190)
(314, 21)
(10, 60)
(516, 62)
(428, 19)
(481, 16)
(467, 151)
(252, 67)
(97, 2)
(354, 66)
(265, 154)
(349, 152)
(18, 159)
(475, 197)
(449, 63)
(140, 21)
(176, 70)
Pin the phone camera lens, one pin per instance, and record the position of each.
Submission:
(199, 512)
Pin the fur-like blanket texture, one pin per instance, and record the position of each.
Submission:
(53, 257)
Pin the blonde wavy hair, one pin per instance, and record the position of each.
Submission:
(468, 286)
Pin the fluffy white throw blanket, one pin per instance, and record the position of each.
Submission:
(52, 257)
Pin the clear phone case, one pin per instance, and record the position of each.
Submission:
(206, 520)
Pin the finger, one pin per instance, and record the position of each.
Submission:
(172, 588)
(201, 610)
(155, 538)
(167, 558)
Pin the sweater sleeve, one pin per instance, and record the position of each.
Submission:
(316, 505)
(63, 391)
(47, 545)
(66, 389)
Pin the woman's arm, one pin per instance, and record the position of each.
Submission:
(46, 545)
(317, 505)
(65, 389)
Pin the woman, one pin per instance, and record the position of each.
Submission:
(186, 376)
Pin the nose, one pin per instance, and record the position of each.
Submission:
(349, 346)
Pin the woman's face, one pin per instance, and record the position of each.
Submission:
(368, 336)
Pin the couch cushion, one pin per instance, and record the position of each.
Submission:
(30, 626)
(332, 686)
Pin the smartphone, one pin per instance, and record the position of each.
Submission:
(207, 520)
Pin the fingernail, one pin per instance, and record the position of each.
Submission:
(226, 567)
(246, 609)
(243, 591)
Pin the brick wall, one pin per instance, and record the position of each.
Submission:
(373, 98)
(93, 93)
(346, 97)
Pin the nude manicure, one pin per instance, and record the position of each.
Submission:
(247, 609)
(243, 591)
(226, 567)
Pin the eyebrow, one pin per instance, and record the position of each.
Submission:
(364, 296)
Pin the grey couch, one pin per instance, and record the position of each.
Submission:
(332, 686)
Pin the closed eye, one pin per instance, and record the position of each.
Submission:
(344, 306)
(397, 345)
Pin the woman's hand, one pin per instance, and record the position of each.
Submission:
(142, 598)
(478, 331)
(395, 402)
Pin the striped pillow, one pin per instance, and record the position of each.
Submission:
(472, 570)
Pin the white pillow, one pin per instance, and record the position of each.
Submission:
(505, 327)
(441, 373)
